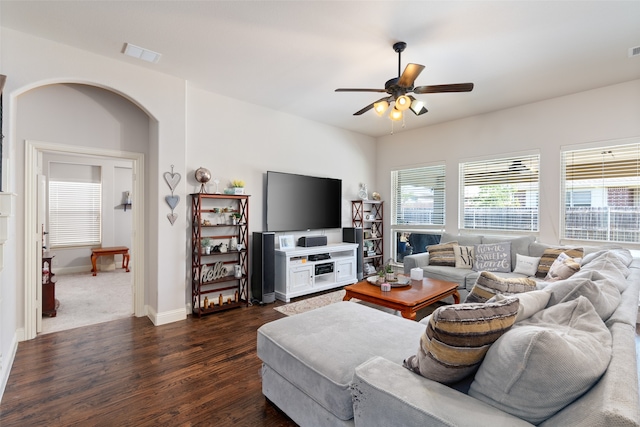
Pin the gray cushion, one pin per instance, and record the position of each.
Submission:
(603, 294)
(462, 239)
(545, 362)
(492, 257)
(610, 267)
(312, 351)
(519, 245)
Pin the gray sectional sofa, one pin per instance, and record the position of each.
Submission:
(342, 365)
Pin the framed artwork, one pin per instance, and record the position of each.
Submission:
(286, 242)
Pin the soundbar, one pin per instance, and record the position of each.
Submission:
(309, 241)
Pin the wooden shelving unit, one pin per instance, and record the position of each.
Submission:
(212, 274)
(368, 214)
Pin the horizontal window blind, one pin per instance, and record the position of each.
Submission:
(418, 196)
(601, 190)
(500, 194)
(74, 213)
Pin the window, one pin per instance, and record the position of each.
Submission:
(418, 196)
(417, 206)
(75, 207)
(500, 194)
(606, 182)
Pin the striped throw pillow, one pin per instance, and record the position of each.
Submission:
(549, 256)
(458, 337)
(442, 254)
(489, 285)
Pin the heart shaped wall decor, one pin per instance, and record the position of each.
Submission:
(172, 180)
(172, 201)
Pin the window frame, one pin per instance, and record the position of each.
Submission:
(522, 169)
(62, 221)
(602, 156)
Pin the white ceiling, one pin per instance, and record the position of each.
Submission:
(290, 56)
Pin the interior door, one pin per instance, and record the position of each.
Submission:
(41, 226)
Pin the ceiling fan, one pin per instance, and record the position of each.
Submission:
(399, 88)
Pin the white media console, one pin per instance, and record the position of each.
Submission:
(299, 273)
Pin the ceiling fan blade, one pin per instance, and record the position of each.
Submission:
(410, 74)
(459, 87)
(370, 106)
(360, 90)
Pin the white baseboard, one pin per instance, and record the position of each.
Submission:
(166, 317)
(5, 365)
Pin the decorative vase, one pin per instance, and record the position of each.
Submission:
(233, 244)
(389, 276)
(238, 190)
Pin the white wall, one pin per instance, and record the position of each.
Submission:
(186, 128)
(604, 114)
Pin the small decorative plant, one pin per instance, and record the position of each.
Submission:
(206, 242)
(237, 183)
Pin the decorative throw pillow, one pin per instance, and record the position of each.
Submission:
(457, 338)
(527, 265)
(488, 285)
(545, 362)
(549, 256)
(492, 257)
(562, 268)
(464, 256)
(442, 254)
(530, 303)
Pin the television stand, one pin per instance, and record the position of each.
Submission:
(297, 275)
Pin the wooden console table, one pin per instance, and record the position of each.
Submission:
(116, 250)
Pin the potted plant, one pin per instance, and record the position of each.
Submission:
(206, 246)
(389, 274)
(238, 186)
(235, 218)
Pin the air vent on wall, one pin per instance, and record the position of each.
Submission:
(634, 51)
(141, 53)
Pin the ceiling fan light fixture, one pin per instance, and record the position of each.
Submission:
(395, 115)
(380, 107)
(403, 103)
(418, 107)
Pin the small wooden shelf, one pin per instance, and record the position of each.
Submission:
(202, 205)
(368, 215)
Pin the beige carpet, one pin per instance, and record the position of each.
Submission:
(312, 303)
(86, 300)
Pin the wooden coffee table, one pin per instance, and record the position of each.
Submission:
(407, 299)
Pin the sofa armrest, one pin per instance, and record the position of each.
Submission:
(384, 393)
(415, 260)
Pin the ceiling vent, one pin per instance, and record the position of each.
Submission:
(634, 51)
(141, 53)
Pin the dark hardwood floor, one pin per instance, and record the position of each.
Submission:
(127, 372)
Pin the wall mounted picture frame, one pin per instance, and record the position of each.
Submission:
(286, 242)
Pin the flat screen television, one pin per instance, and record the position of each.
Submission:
(301, 202)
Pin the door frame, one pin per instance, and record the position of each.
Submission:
(33, 238)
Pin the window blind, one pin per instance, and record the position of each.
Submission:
(74, 213)
(500, 194)
(601, 193)
(418, 196)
